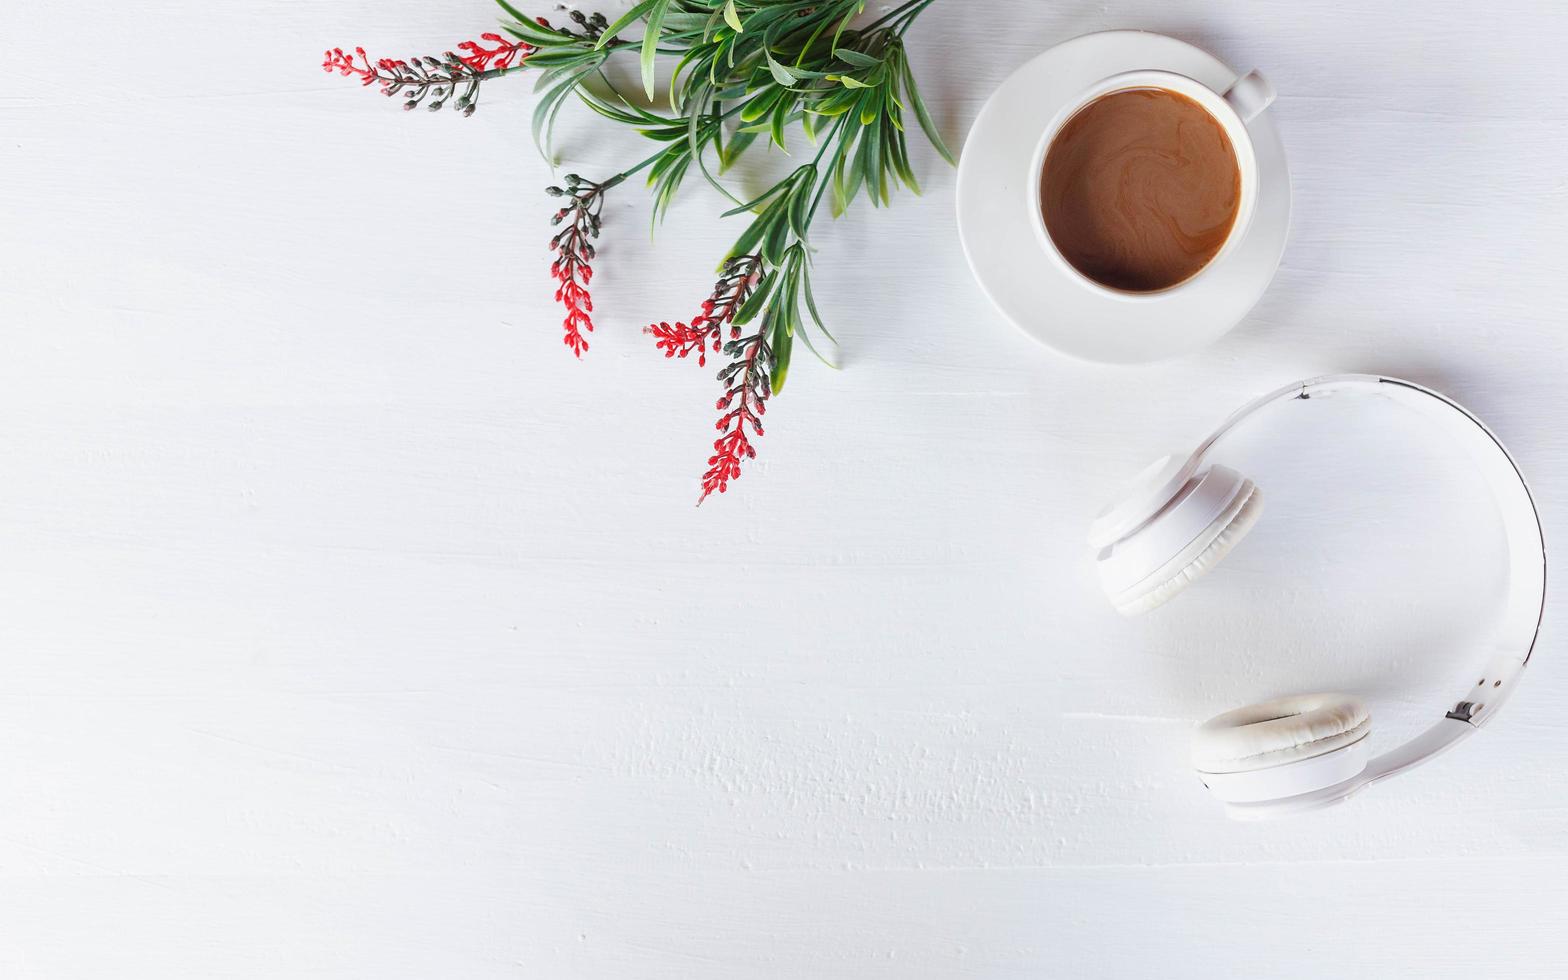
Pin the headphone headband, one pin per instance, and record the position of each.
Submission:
(1521, 622)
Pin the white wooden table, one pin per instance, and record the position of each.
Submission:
(350, 628)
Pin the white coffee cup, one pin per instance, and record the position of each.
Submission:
(1232, 109)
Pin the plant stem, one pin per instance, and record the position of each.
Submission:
(827, 175)
(606, 185)
(912, 8)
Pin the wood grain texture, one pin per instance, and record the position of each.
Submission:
(351, 628)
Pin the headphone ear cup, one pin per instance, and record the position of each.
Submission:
(1204, 552)
(1282, 747)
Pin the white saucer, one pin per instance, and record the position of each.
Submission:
(1007, 258)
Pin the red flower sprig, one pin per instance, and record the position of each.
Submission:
(707, 327)
(436, 78)
(747, 380)
(743, 403)
(680, 339)
(506, 54)
(574, 251)
(345, 65)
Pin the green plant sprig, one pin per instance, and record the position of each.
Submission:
(748, 70)
(745, 72)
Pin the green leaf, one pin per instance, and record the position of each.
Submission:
(837, 189)
(650, 42)
(759, 297)
(838, 32)
(731, 17)
(805, 338)
(787, 306)
(513, 11)
(780, 117)
(808, 123)
(825, 110)
(563, 56)
(900, 157)
(803, 289)
(811, 304)
(737, 146)
(678, 22)
(922, 114)
(799, 204)
(782, 75)
(699, 134)
(782, 341)
(668, 185)
(761, 105)
(881, 163)
(759, 200)
(856, 58)
(532, 32)
(623, 21)
(808, 47)
(775, 240)
(549, 105)
(854, 173)
(677, 88)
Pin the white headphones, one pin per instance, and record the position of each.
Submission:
(1180, 517)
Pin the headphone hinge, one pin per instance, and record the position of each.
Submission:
(1465, 711)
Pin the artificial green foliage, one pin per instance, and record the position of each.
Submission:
(817, 74)
(744, 72)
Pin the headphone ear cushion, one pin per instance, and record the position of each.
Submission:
(1206, 551)
(1273, 733)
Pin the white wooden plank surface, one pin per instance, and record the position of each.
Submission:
(350, 628)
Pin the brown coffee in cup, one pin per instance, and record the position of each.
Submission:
(1140, 189)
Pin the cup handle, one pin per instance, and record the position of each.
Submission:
(1249, 95)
